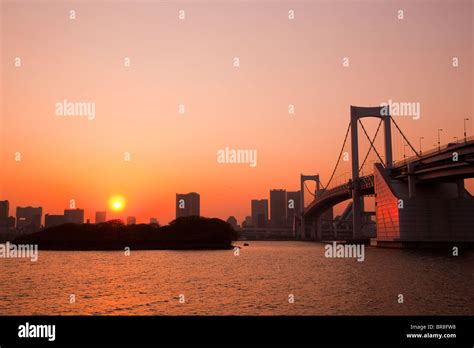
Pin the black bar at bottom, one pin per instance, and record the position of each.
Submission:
(187, 330)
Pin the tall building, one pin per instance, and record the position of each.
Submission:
(53, 220)
(28, 218)
(153, 221)
(74, 216)
(131, 220)
(11, 223)
(100, 216)
(188, 204)
(293, 205)
(7, 223)
(277, 208)
(259, 212)
(4, 209)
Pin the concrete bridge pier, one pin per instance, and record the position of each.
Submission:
(307, 230)
(415, 212)
(301, 229)
(461, 188)
(357, 210)
(314, 230)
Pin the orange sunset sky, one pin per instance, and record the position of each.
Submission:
(190, 62)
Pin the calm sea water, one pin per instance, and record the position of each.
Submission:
(258, 282)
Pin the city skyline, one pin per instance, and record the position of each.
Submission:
(190, 207)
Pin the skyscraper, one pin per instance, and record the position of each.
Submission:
(7, 223)
(278, 208)
(4, 209)
(292, 205)
(188, 204)
(28, 218)
(74, 216)
(259, 212)
(100, 216)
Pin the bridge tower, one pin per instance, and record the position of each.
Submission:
(358, 112)
(303, 178)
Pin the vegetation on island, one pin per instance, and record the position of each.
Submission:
(192, 232)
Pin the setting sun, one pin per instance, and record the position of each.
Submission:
(117, 203)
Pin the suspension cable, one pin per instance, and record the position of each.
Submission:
(339, 158)
(307, 188)
(371, 143)
(404, 137)
(368, 152)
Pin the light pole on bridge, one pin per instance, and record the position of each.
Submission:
(421, 138)
(404, 153)
(439, 138)
(465, 138)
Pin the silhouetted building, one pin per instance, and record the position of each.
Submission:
(277, 208)
(247, 222)
(28, 219)
(4, 209)
(153, 221)
(6, 222)
(187, 204)
(53, 220)
(232, 221)
(293, 205)
(131, 220)
(74, 216)
(100, 216)
(11, 222)
(259, 212)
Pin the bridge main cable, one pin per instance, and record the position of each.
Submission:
(309, 191)
(339, 158)
(405, 138)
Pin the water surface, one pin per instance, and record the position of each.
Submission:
(257, 282)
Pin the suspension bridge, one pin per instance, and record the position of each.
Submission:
(421, 198)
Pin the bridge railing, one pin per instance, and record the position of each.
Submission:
(332, 191)
(365, 182)
(433, 151)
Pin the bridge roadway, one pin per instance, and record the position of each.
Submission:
(451, 162)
